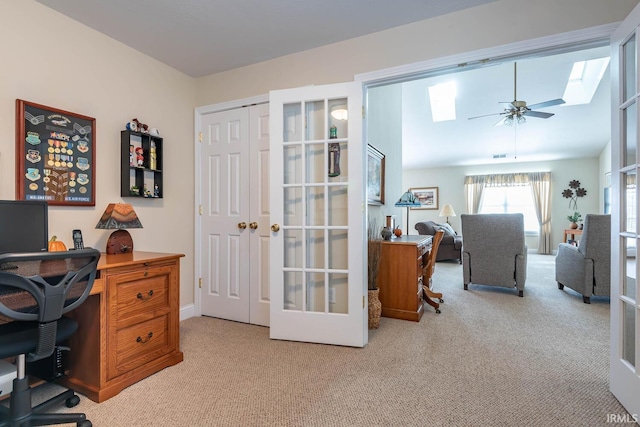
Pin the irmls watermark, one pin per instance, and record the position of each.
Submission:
(622, 418)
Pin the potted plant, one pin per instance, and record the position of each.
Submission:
(574, 218)
(374, 249)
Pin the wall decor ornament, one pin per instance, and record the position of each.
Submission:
(573, 192)
(375, 176)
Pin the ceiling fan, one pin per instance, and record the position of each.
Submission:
(517, 110)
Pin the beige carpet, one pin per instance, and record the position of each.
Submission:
(489, 359)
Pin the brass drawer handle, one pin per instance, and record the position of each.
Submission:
(145, 298)
(146, 340)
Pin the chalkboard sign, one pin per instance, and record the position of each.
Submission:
(55, 155)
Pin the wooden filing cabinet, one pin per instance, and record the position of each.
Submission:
(130, 330)
(400, 276)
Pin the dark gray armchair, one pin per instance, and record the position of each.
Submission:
(587, 268)
(451, 244)
(494, 250)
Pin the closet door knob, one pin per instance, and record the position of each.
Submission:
(275, 227)
(253, 225)
(242, 225)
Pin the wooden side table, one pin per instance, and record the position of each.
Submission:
(573, 232)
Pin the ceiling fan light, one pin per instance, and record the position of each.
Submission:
(521, 120)
(508, 120)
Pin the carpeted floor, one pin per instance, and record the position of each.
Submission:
(489, 359)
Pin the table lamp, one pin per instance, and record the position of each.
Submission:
(447, 210)
(408, 200)
(119, 217)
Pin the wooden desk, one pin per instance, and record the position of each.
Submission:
(129, 328)
(400, 276)
(573, 232)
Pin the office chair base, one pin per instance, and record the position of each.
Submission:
(20, 413)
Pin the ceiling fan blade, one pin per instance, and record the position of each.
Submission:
(485, 115)
(508, 105)
(538, 114)
(545, 104)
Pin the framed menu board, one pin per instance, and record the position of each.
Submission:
(55, 155)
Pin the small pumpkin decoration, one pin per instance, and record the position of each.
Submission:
(56, 245)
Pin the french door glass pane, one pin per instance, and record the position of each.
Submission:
(315, 206)
(315, 249)
(338, 293)
(629, 203)
(292, 167)
(629, 333)
(315, 292)
(338, 117)
(629, 83)
(337, 200)
(292, 290)
(315, 168)
(292, 248)
(315, 121)
(292, 117)
(292, 208)
(629, 252)
(629, 134)
(338, 250)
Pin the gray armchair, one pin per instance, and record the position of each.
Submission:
(587, 268)
(494, 250)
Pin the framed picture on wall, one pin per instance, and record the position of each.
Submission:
(427, 196)
(375, 176)
(55, 155)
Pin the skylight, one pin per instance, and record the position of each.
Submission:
(442, 98)
(584, 80)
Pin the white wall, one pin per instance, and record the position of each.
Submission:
(450, 183)
(52, 60)
(490, 25)
(384, 131)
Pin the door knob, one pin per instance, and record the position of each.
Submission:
(275, 227)
(253, 225)
(242, 225)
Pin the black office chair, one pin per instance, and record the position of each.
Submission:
(36, 289)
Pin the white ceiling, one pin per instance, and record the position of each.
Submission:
(201, 37)
(574, 130)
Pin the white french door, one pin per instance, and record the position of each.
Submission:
(318, 282)
(625, 142)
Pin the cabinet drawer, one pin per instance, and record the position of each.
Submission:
(139, 344)
(140, 295)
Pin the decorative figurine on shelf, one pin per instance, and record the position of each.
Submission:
(139, 156)
(386, 233)
(132, 155)
(142, 128)
(156, 190)
(134, 190)
(146, 191)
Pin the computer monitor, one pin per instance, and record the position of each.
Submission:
(24, 226)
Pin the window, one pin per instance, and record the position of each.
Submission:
(513, 199)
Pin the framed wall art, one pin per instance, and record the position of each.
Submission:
(427, 196)
(55, 155)
(375, 176)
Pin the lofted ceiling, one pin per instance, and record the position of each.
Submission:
(573, 131)
(202, 37)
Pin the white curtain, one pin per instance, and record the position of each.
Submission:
(473, 186)
(541, 190)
